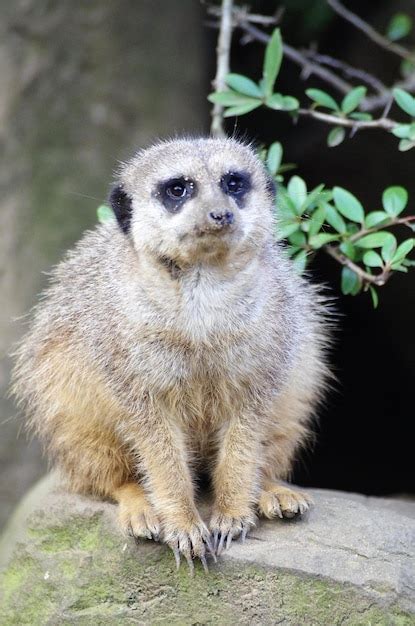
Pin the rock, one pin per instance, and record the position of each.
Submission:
(349, 561)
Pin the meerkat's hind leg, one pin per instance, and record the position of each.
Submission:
(136, 515)
(278, 500)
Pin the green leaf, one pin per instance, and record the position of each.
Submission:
(399, 26)
(389, 248)
(290, 103)
(105, 213)
(375, 297)
(272, 62)
(297, 190)
(292, 250)
(375, 218)
(317, 241)
(285, 229)
(322, 99)
(348, 205)
(350, 282)
(298, 239)
(394, 200)
(300, 261)
(276, 102)
(407, 68)
(406, 144)
(244, 85)
(374, 240)
(404, 249)
(372, 259)
(286, 205)
(348, 250)
(242, 109)
(405, 101)
(352, 100)
(231, 98)
(312, 198)
(403, 131)
(316, 221)
(334, 218)
(287, 167)
(361, 117)
(274, 157)
(336, 136)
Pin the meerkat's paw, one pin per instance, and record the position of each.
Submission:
(194, 542)
(139, 522)
(136, 515)
(279, 501)
(225, 528)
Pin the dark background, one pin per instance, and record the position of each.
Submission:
(82, 85)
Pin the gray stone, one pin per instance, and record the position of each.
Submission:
(349, 561)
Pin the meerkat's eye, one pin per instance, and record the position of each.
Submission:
(176, 189)
(174, 192)
(236, 185)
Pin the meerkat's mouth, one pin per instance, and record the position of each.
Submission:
(213, 231)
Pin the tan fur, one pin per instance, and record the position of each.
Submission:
(137, 376)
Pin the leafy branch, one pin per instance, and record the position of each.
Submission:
(312, 65)
(331, 220)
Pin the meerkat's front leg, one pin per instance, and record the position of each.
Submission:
(235, 482)
(163, 461)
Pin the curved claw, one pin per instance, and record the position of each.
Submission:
(204, 563)
(176, 556)
(221, 544)
(211, 548)
(244, 533)
(190, 564)
(215, 541)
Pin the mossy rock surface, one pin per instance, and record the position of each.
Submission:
(349, 561)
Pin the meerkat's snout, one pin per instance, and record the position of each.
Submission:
(216, 222)
(221, 219)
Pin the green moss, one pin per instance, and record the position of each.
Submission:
(26, 598)
(15, 577)
(92, 579)
(77, 533)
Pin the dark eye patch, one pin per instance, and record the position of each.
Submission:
(174, 192)
(236, 185)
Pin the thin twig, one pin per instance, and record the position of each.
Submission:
(378, 101)
(383, 122)
(375, 279)
(348, 70)
(393, 222)
(369, 31)
(222, 52)
(309, 68)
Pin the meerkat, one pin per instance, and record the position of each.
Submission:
(179, 338)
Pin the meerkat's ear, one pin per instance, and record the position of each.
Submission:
(121, 205)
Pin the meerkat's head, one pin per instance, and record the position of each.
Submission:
(191, 201)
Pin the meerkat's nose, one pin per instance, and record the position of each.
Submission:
(222, 218)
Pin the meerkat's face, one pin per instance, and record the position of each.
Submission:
(193, 201)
